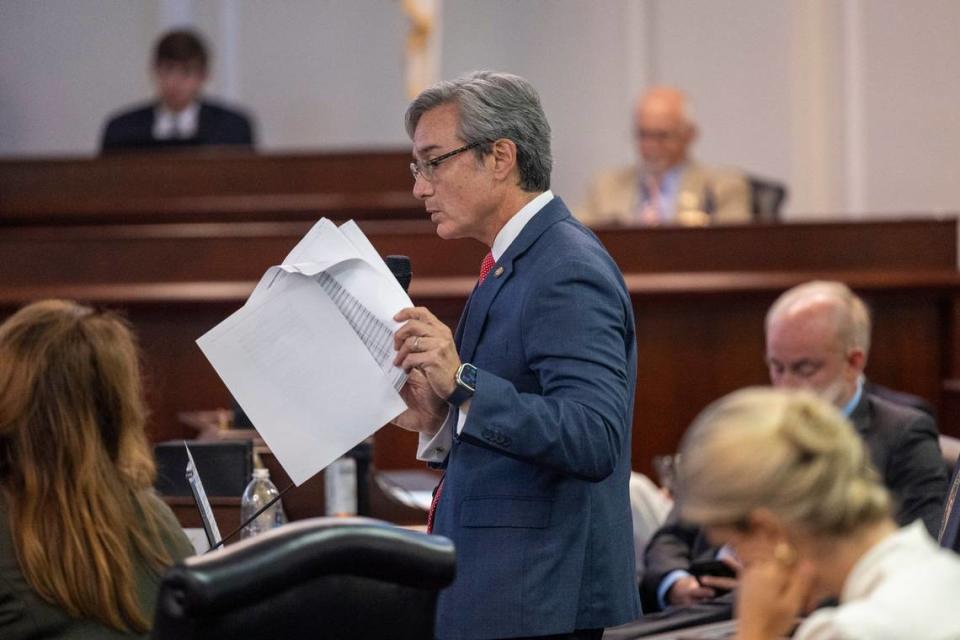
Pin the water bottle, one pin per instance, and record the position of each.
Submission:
(259, 492)
(340, 487)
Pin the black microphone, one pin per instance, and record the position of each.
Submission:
(400, 268)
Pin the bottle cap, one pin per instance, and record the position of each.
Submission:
(261, 473)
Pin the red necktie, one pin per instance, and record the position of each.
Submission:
(485, 267)
(650, 213)
(433, 505)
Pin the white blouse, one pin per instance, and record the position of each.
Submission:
(906, 587)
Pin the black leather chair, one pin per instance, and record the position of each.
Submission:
(319, 578)
(950, 450)
(766, 198)
(949, 537)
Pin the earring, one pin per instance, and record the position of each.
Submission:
(785, 553)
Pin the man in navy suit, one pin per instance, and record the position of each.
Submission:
(528, 407)
(178, 117)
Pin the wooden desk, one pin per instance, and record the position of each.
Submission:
(222, 185)
(700, 333)
(699, 295)
(299, 503)
(706, 631)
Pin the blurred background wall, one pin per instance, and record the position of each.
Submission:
(850, 102)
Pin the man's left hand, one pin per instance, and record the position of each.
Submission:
(425, 411)
(425, 343)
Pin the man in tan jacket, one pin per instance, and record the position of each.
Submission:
(668, 187)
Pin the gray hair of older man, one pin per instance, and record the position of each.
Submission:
(491, 106)
(852, 316)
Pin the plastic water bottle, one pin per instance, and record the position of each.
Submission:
(259, 492)
(340, 487)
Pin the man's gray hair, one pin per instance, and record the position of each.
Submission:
(853, 315)
(491, 106)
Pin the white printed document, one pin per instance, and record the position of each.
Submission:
(309, 357)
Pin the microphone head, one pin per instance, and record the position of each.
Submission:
(400, 268)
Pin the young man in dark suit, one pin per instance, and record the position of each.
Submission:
(178, 117)
(818, 338)
(528, 406)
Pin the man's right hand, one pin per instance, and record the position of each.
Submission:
(688, 590)
(425, 410)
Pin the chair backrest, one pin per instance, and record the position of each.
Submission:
(766, 198)
(949, 537)
(950, 450)
(318, 578)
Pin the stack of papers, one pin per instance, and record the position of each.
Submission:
(309, 357)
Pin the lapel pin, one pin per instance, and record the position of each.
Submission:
(498, 272)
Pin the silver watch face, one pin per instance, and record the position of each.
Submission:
(467, 376)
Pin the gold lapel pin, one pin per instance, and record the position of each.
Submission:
(498, 272)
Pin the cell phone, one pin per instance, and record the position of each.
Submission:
(712, 568)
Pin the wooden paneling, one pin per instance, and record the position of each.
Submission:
(213, 184)
(699, 295)
(204, 251)
(695, 342)
(887, 245)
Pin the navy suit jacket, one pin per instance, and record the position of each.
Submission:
(216, 125)
(535, 495)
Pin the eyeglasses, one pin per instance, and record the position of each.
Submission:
(656, 135)
(425, 169)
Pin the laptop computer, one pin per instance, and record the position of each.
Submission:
(203, 504)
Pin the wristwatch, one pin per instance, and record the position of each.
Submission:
(466, 380)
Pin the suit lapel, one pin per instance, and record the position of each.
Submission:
(203, 123)
(458, 335)
(148, 121)
(690, 189)
(475, 314)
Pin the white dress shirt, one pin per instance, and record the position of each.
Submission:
(181, 125)
(904, 587)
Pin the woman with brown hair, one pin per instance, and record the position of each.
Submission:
(83, 537)
(784, 479)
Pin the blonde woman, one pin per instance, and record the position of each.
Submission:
(784, 479)
(83, 537)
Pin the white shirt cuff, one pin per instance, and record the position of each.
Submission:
(462, 417)
(436, 447)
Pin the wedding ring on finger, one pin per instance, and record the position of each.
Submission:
(416, 344)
